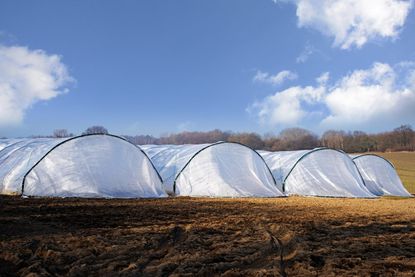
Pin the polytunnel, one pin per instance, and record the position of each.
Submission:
(222, 169)
(3, 143)
(318, 172)
(7, 142)
(85, 166)
(380, 175)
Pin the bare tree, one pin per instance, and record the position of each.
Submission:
(141, 139)
(401, 138)
(298, 138)
(194, 137)
(404, 136)
(95, 130)
(61, 133)
(359, 141)
(333, 139)
(252, 140)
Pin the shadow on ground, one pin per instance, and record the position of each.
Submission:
(182, 236)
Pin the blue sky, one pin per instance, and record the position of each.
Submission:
(156, 67)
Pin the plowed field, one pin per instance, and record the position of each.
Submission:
(295, 236)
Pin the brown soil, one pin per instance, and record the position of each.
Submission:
(185, 236)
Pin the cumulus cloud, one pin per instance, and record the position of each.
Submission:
(277, 79)
(286, 108)
(382, 95)
(353, 22)
(371, 97)
(26, 77)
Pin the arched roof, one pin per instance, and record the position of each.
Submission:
(380, 175)
(354, 157)
(288, 160)
(306, 154)
(170, 159)
(218, 143)
(182, 155)
(28, 153)
(284, 163)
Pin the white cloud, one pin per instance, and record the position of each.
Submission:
(26, 77)
(286, 107)
(307, 52)
(323, 78)
(353, 22)
(370, 99)
(277, 79)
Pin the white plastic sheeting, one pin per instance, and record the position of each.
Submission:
(214, 170)
(6, 142)
(86, 166)
(3, 143)
(318, 172)
(379, 175)
(17, 158)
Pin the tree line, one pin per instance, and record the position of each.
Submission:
(399, 139)
(64, 133)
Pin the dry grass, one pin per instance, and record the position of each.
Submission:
(404, 163)
(184, 236)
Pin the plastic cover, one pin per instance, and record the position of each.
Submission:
(217, 170)
(380, 176)
(89, 166)
(318, 172)
(7, 142)
(17, 158)
(170, 159)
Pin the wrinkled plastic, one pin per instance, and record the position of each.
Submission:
(380, 176)
(17, 158)
(89, 166)
(319, 172)
(218, 170)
